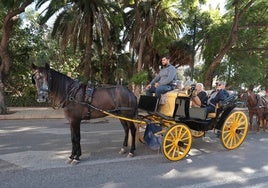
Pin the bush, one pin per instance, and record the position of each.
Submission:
(24, 101)
(139, 78)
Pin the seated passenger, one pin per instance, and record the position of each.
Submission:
(199, 96)
(220, 94)
(164, 81)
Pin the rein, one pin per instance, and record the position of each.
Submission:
(98, 109)
(109, 113)
(76, 89)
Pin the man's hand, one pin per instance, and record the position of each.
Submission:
(156, 85)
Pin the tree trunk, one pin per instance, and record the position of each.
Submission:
(5, 60)
(88, 51)
(3, 108)
(8, 22)
(141, 47)
(4, 69)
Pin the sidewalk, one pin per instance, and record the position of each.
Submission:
(16, 113)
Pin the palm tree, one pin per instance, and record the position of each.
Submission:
(151, 25)
(77, 22)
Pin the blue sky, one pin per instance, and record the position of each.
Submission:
(215, 3)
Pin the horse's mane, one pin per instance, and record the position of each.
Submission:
(58, 85)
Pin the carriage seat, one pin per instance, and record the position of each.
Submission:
(171, 95)
(167, 103)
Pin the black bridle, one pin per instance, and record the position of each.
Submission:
(49, 79)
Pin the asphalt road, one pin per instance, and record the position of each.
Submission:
(33, 154)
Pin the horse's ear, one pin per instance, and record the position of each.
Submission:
(34, 67)
(47, 66)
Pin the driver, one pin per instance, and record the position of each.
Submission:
(164, 81)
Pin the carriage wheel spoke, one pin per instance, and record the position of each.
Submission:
(234, 130)
(177, 142)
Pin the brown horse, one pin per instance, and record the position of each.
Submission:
(255, 107)
(82, 102)
(265, 107)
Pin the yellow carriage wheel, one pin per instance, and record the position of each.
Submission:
(177, 142)
(197, 134)
(234, 130)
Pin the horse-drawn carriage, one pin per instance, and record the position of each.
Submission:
(175, 122)
(180, 123)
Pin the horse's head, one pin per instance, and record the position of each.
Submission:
(41, 79)
(244, 96)
(249, 97)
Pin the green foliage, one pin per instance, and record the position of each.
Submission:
(27, 100)
(245, 69)
(140, 78)
(32, 44)
(245, 62)
(248, 57)
(24, 101)
(115, 29)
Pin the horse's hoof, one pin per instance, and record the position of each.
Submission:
(75, 162)
(122, 151)
(130, 155)
(69, 161)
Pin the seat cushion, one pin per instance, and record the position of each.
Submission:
(212, 115)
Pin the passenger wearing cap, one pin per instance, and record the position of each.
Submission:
(220, 94)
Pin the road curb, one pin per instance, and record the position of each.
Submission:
(16, 113)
